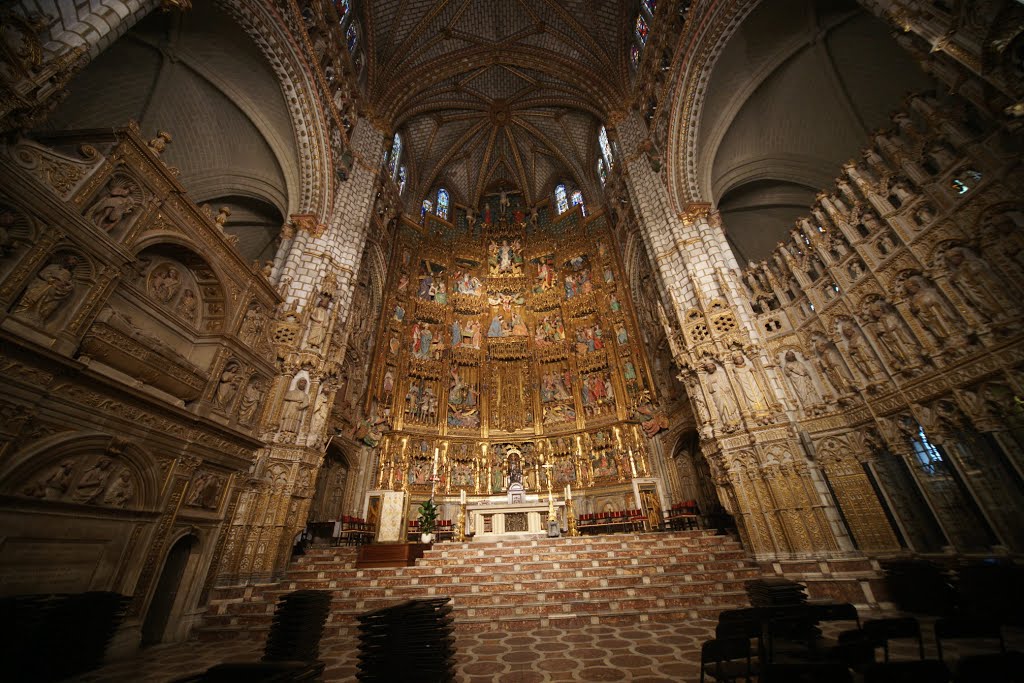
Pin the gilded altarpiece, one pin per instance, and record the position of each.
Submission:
(508, 337)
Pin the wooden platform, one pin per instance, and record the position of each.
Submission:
(390, 554)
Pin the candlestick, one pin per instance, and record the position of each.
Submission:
(462, 496)
(568, 491)
(437, 452)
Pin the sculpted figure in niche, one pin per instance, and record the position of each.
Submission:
(49, 290)
(890, 330)
(800, 379)
(121, 491)
(930, 308)
(228, 386)
(164, 284)
(318, 318)
(252, 323)
(748, 383)
(188, 306)
(7, 221)
(250, 401)
(92, 483)
(859, 351)
(296, 401)
(974, 279)
(54, 485)
(721, 393)
(115, 207)
(830, 364)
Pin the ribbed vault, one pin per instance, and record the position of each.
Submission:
(493, 92)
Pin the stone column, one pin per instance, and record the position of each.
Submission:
(317, 278)
(763, 473)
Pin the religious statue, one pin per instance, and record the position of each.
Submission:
(830, 364)
(721, 394)
(748, 383)
(859, 351)
(801, 380)
(296, 402)
(92, 482)
(49, 290)
(250, 401)
(115, 207)
(54, 485)
(893, 336)
(228, 385)
(975, 281)
(188, 307)
(121, 491)
(164, 284)
(318, 319)
(930, 308)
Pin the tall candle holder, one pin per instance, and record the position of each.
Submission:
(551, 500)
(570, 514)
(460, 524)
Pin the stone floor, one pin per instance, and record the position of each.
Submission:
(633, 652)
(645, 652)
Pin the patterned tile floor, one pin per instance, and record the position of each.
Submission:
(641, 652)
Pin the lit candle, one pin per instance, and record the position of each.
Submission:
(568, 491)
(437, 452)
(462, 496)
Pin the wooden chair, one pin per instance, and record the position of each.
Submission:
(913, 671)
(726, 660)
(880, 631)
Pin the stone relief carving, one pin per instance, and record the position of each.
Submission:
(296, 402)
(250, 401)
(227, 386)
(931, 309)
(164, 283)
(15, 230)
(121, 199)
(87, 481)
(205, 489)
(50, 290)
(801, 380)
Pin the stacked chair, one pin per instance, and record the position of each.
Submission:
(410, 642)
(293, 647)
(53, 637)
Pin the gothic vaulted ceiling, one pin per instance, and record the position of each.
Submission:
(492, 92)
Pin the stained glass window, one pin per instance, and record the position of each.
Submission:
(577, 200)
(641, 29)
(634, 55)
(401, 179)
(650, 6)
(602, 171)
(442, 203)
(396, 152)
(561, 202)
(342, 7)
(352, 37)
(606, 147)
(427, 207)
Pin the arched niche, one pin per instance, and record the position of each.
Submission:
(79, 505)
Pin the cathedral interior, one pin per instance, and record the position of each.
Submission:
(287, 269)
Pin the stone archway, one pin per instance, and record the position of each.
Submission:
(166, 602)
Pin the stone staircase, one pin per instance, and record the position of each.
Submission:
(514, 585)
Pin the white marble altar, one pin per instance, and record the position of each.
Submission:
(498, 521)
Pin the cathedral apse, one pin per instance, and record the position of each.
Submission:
(510, 350)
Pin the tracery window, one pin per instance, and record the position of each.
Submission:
(442, 203)
(606, 146)
(927, 455)
(634, 55)
(428, 207)
(650, 6)
(396, 152)
(602, 171)
(642, 29)
(352, 37)
(576, 199)
(342, 6)
(561, 201)
(401, 179)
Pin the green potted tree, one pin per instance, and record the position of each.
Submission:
(428, 520)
